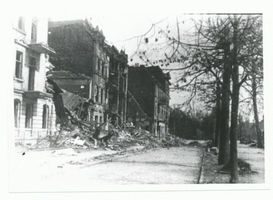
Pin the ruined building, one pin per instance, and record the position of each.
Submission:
(87, 66)
(75, 92)
(150, 90)
(34, 112)
(81, 57)
(118, 85)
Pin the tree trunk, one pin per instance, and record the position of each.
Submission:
(240, 127)
(255, 109)
(223, 157)
(234, 110)
(217, 116)
(118, 101)
(234, 127)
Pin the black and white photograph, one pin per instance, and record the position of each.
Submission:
(136, 101)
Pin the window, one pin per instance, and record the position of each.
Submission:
(97, 93)
(19, 64)
(124, 84)
(31, 78)
(17, 107)
(99, 97)
(45, 116)
(101, 119)
(102, 69)
(98, 66)
(29, 115)
(105, 95)
(96, 119)
(21, 24)
(32, 62)
(102, 94)
(34, 31)
(106, 70)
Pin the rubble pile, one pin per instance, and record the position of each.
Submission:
(76, 131)
(72, 137)
(137, 136)
(115, 138)
(133, 137)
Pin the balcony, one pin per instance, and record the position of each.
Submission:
(18, 84)
(41, 48)
(36, 94)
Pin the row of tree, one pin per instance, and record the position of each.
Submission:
(225, 59)
(191, 126)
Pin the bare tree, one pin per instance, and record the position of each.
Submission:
(215, 67)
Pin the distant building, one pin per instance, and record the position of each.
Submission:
(34, 112)
(150, 88)
(80, 48)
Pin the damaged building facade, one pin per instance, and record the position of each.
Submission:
(150, 89)
(118, 85)
(34, 112)
(75, 92)
(80, 51)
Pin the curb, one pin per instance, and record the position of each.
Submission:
(201, 171)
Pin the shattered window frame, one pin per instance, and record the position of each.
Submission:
(19, 64)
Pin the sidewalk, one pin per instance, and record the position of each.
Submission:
(252, 155)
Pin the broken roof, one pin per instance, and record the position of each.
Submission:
(94, 31)
(156, 74)
(71, 101)
(52, 24)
